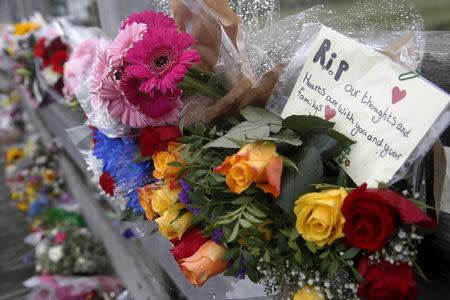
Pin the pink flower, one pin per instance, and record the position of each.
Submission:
(102, 70)
(162, 109)
(151, 19)
(125, 40)
(79, 66)
(60, 237)
(159, 59)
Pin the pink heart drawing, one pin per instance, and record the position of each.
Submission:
(397, 94)
(329, 112)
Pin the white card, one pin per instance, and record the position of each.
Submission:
(359, 89)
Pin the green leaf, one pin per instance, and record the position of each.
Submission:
(293, 235)
(175, 164)
(241, 200)
(350, 253)
(245, 223)
(231, 253)
(358, 275)
(302, 123)
(285, 232)
(251, 218)
(287, 162)
(293, 184)
(234, 269)
(293, 245)
(234, 233)
(24, 72)
(201, 215)
(266, 256)
(323, 255)
(286, 136)
(311, 246)
(262, 116)
(227, 220)
(328, 141)
(333, 268)
(243, 131)
(217, 177)
(256, 211)
(129, 215)
(298, 256)
(181, 125)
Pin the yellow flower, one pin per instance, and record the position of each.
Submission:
(319, 217)
(170, 226)
(14, 154)
(24, 28)
(308, 293)
(163, 158)
(22, 206)
(256, 162)
(31, 194)
(49, 175)
(164, 197)
(145, 200)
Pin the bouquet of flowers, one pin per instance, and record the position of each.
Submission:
(70, 251)
(250, 195)
(52, 54)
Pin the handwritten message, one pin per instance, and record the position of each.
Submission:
(358, 88)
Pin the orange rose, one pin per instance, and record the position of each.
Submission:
(145, 200)
(204, 264)
(256, 162)
(161, 160)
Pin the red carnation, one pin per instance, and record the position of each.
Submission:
(156, 139)
(107, 183)
(386, 281)
(371, 214)
(188, 245)
(58, 60)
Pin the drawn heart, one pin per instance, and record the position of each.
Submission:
(397, 94)
(329, 112)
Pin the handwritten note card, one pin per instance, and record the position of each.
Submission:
(358, 88)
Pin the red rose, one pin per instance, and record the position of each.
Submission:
(39, 48)
(188, 245)
(371, 214)
(386, 281)
(156, 139)
(57, 61)
(107, 183)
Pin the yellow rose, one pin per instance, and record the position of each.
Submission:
(14, 154)
(164, 197)
(308, 293)
(205, 263)
(256, 162)
(23, 28)
(49, 175)
(161, 160)
(170, 226)
(319, 217)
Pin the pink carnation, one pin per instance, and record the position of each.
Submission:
(151, 19)
(125, 40)
(160, 59)
(78, 67)
(60, 237)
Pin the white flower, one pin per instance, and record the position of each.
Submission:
(54, 231)
(38, 268)
(41, 160)
(50, 76)
(41, 248)
(55, 253)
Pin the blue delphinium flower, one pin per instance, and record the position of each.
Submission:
(133, 202)
(217, 235)
(118, 156)
(39, 206)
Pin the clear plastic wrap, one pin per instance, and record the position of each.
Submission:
(401, 39)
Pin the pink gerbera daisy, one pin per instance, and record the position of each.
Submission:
(151, 19)
(121, 109)
(162, 109)
(102, 70)
(160, 59)
(125, 40)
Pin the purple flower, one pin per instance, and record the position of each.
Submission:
(217, 235)
(183, 196)
(241, 273)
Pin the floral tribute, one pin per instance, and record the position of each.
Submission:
(53, 55)
(256, 196)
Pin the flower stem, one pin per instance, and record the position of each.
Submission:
(193, 84)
